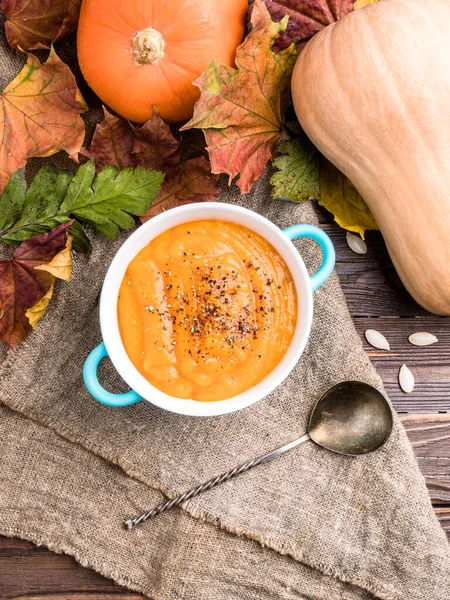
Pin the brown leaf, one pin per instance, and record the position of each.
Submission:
(193, 183)
(39, 114)
(112, 143)
(306, 18)
(242, 111)
(154, 145)
(61, 265)
(34, 24)
(22, 285)
(117, 142)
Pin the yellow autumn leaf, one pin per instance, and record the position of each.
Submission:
(339, 196)
(362, 3)
(61, 265)
(36, 312)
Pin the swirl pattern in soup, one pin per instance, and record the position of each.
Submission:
(207, 310)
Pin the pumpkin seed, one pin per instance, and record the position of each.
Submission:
(356, 244)
(377, 339)
(406, 379)
(422, 338)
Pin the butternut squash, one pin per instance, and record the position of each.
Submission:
(372, 91)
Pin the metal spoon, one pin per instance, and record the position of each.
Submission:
(350, 418)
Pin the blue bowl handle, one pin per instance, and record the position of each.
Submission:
(326, 245)
(93, 385)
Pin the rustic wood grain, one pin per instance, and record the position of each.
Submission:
(443, 514)
(370, 282)
(36, 572)
(430, 439)
(430, 365)
(377, 300)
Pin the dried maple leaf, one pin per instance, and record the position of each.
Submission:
(117, 142)
(34, 24)
(193, 183)
(23, 284)
(39, 114)
(154, 145)
(112, 143)
(241, 111)
(61, 265)
(306, 18)
(340, 197)
(61, 268)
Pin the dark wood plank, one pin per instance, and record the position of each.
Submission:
(430, 438)
(443, 514)
(370, 282)
(28, 571)
(430, 365)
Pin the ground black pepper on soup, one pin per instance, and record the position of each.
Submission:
(207, 310)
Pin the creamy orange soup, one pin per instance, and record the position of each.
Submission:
(207, 310)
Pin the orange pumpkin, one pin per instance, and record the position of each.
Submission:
(139, 53)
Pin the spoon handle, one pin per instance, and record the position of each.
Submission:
(130, 523)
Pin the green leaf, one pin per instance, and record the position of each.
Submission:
(12, 199)
(340, 197)
(79, 192)
(114, 196)
(108, 202)
(41, 206)
(80, 242)
(297, 177)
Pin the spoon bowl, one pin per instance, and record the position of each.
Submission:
(351, 418)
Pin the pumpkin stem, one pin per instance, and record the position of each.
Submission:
(147, 47)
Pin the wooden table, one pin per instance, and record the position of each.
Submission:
(377, 300)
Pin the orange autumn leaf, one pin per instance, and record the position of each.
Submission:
(39, 114)
(241, 111)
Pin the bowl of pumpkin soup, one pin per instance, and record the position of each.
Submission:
(205, 309)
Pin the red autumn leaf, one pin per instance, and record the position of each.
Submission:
(22, 284)
(117, 142)
(39, 114)
(193, 183)
(306, 18)
(34, 24)
(241, 111)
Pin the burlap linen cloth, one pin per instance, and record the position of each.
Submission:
(310, 525)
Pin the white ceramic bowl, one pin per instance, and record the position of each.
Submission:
(112, 343)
